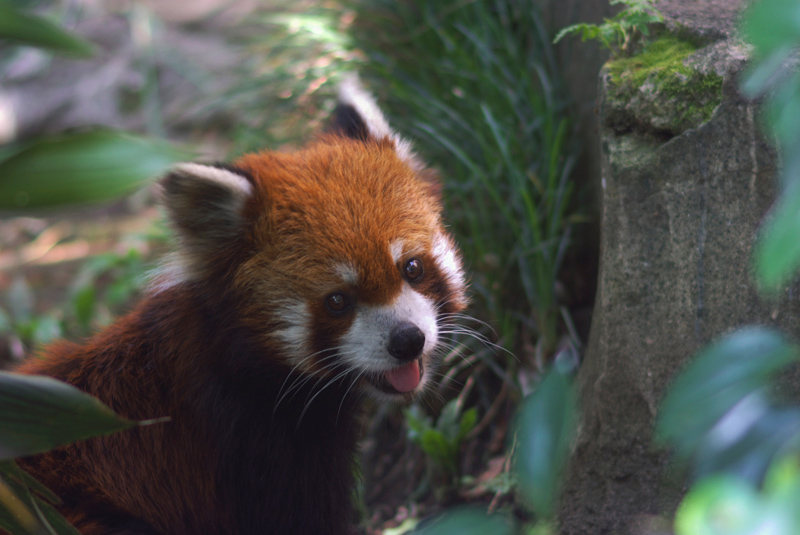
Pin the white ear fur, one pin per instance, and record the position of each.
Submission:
(238, 184)
(353, 94)
(204, 205)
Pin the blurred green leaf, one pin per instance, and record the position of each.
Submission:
(40, 413)
(33, 30)
(447, 424)
(783, 478)
(770, 24)
(417, 422)
(10, 470)
(719, 505)
(46, 328)
(546, 426)
(760, 74)
(29, 506)
(20, 300)
(435, 445)
(467, 521)
(468, 421)
(746, 439)
(82, 168)
(83, 303)
(719, 378)
(777, 250)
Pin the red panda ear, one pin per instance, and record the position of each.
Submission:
(205, 207)
(357, 116)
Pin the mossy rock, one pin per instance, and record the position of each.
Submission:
(660, 90)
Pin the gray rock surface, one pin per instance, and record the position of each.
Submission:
(679, 217)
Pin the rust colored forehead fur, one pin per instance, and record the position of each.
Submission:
(341, 203)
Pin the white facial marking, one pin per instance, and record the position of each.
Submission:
(446, 258)
(295, 331)
(347, 272)
(396, 249)
(365, 345)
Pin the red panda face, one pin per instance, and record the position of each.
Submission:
(337, 253)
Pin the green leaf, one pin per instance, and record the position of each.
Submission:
(84, 302)
(46, 328)
(467, 521)
(546, 426)
(783, 478)
(436, 446)
(26, 505)
(777, 250)
(10, 470)
(746, 439)
(586, 31)
(447, 424)
(15, 517)
(761, 72)
(468, 421)
(32, 30)
(20, 300)
(39, 413)
(81, 168)
(769, 25)
(718, 379)
(417, 423)
(718, 506)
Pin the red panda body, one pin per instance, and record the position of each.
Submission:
(301, 282)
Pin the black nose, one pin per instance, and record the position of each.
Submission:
(406, 341)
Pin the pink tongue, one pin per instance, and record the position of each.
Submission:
(404, 378)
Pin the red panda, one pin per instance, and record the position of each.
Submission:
(301, 282)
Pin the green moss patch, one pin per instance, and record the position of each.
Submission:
(659, 91)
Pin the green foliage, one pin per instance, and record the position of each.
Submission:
(543, 433)
(26, 506)
(36, 415)
(474, 84)
(300, 46)
(774, 33)
(88, 304)
(441, 442)
(546, 426)
(726, 505)
(40, 413)
(718, 413)
(623, 32)
(22, 28)
(467, 521)
(80, 168)
(103, 288)
(20, 320)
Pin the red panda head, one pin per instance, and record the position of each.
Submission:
(336, 255)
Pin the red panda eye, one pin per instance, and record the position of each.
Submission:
(413, 270)
(337, 303)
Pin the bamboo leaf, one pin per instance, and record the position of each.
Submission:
(39, 413)
(81, 168)
(33, 30)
